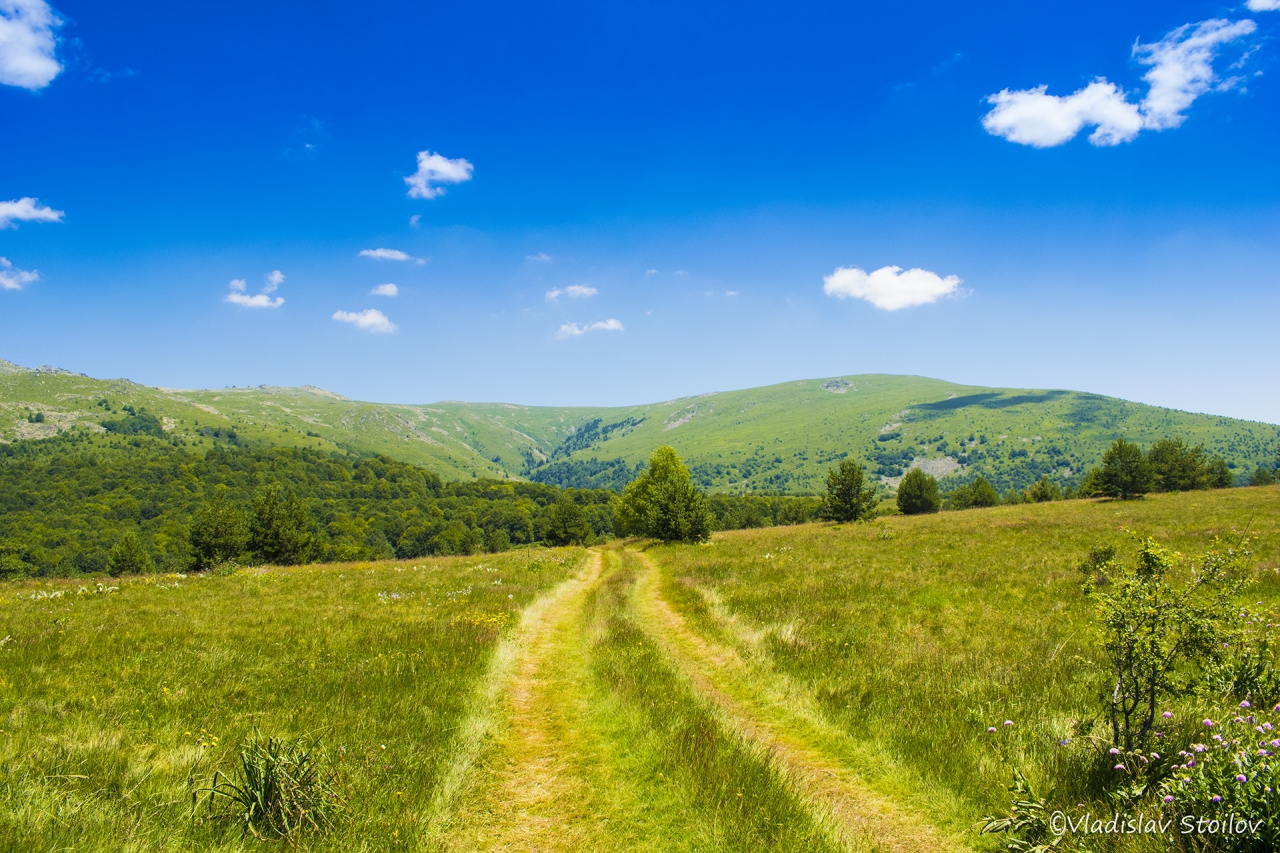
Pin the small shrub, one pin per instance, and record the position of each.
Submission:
(277, 789)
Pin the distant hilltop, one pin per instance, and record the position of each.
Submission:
(779, 438)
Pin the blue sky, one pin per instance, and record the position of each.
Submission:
(602, 203)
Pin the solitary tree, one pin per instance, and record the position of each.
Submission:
(217, 531)
(1124, 473)
(849, 497)
(278, 528)
(128, 557)
(918, 493)
(663, 502)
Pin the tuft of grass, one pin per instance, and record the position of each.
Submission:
(278, 789)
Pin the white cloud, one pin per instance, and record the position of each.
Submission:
(237, 295)
(390, 255)
(1181, 71)
(650, 272)
(1182, 68)
(385, 290)
(26, 209)
(369, 320)
(573, 291)
(731, 293)
(541, 256)
(890, 288)
(414, 220)
(436, 169)
(27, 44)
(12, 278)
(1035, 118)
(1263, 5)
(572, 330)
(260, 300)
(271, 281)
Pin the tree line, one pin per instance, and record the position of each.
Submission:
(126, 501)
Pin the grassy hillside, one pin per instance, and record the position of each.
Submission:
(777, 438)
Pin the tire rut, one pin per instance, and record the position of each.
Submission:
(862, 817)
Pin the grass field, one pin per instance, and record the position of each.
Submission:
(792, 689)
(118, 700)
(911, 647)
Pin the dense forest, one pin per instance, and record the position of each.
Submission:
(130, 500)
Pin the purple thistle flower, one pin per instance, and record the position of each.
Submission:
(1208, 723)
(1120, 767)
(1115, 751)
(1168, 798)
(1167, 715)
(1215, 799)
(1245, 704)
(1241, 778)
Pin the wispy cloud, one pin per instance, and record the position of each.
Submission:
(1263, 5)
(12, 278)
(385, 290)
(541, 256)
(434, 169)
(414, 220)
(890, 288)
(390, 255)
(573, 330)
(25, 209)
(1181, 71)
(369, 320)
(27, 44)
(650, 272)
(573, 291)
(238, 296)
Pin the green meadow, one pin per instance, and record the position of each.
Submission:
(816, 687)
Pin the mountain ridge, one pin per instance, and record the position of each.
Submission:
(779, 437)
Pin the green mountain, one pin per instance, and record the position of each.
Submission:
(776, 438)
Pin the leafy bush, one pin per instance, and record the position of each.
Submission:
(1149, 627)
